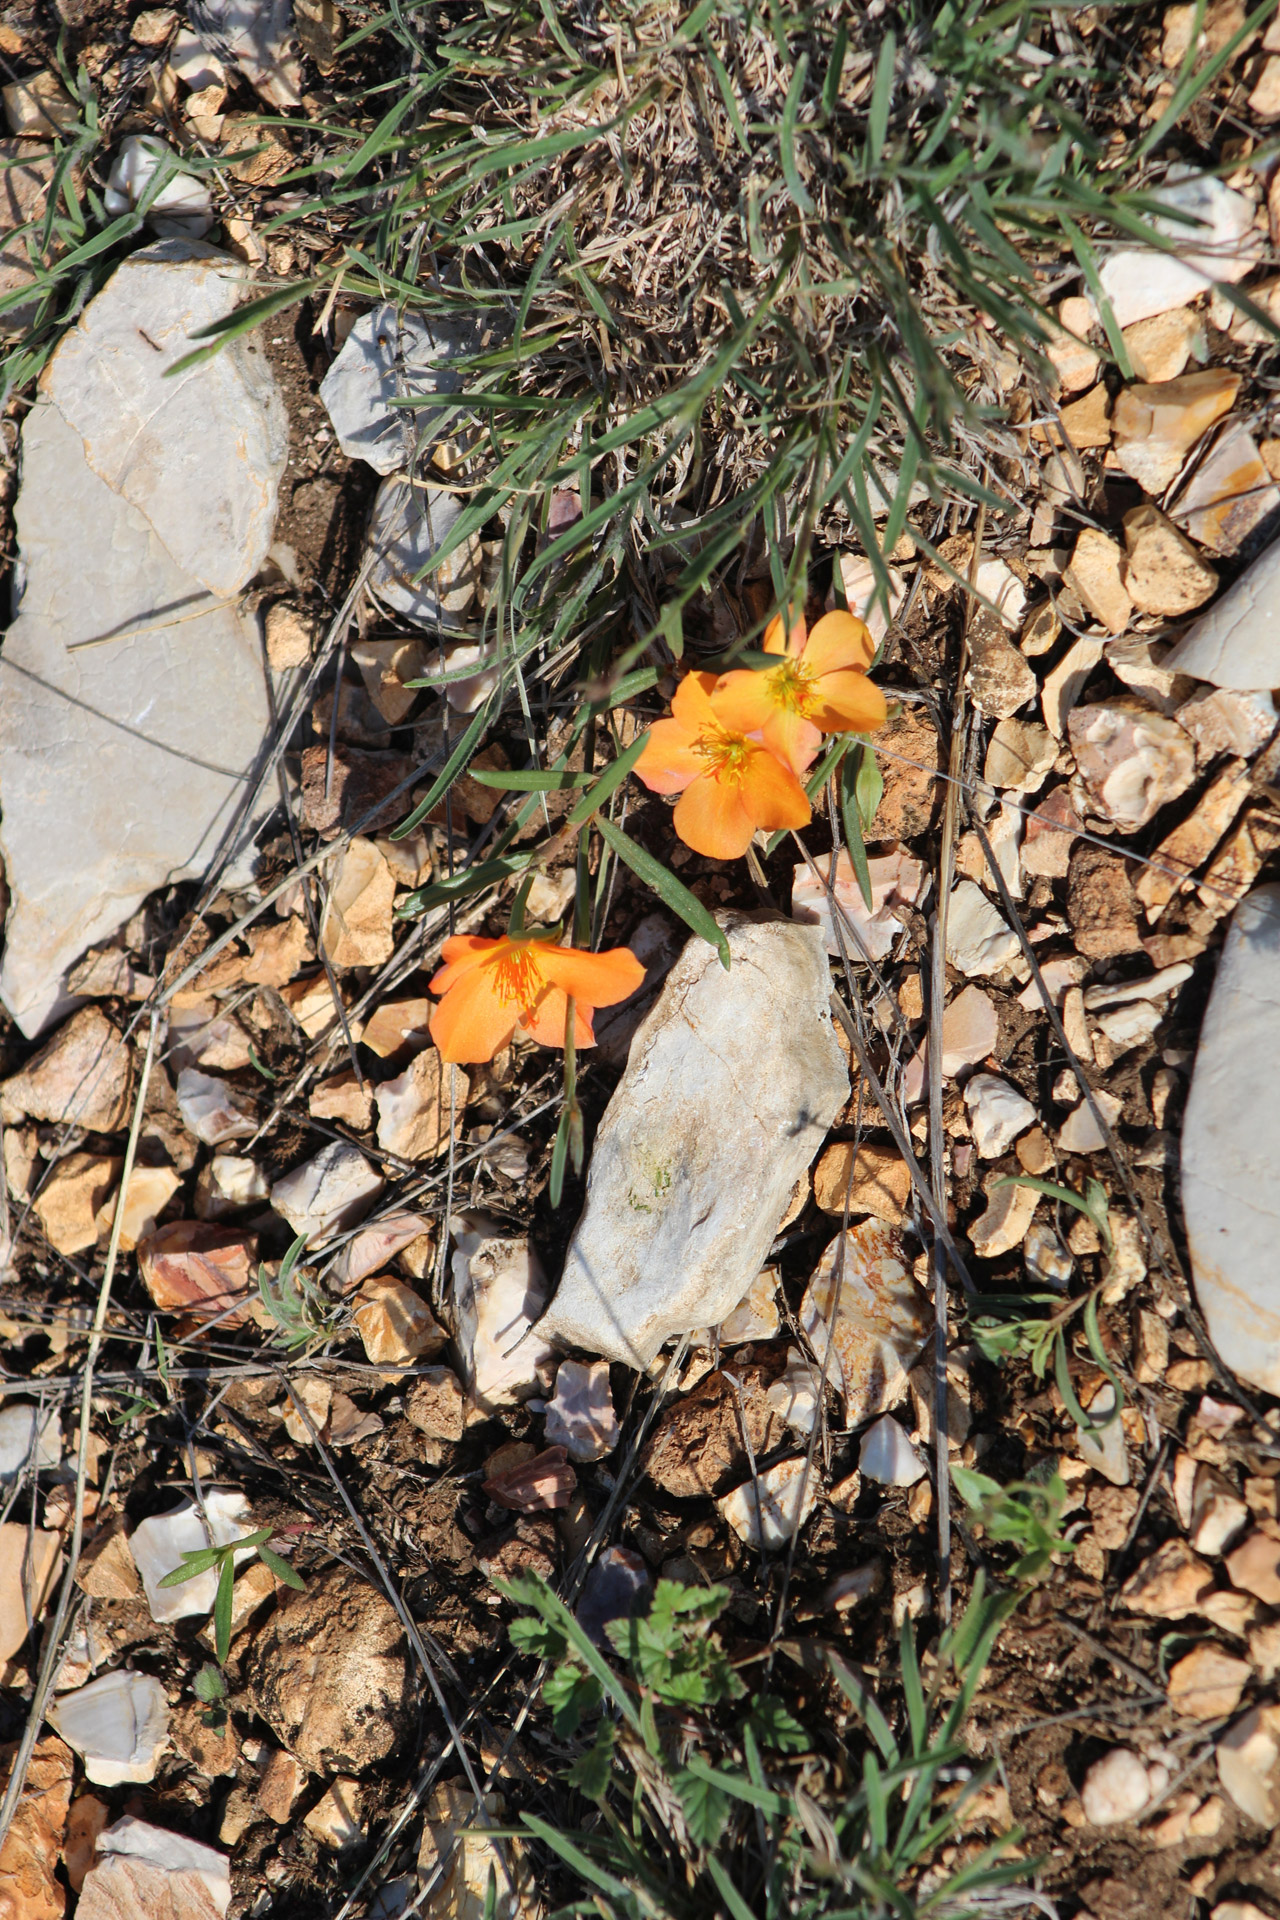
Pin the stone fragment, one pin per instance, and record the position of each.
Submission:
(158, 1544)
(756, 1315)
(1228, 722)
(215, 513)
(147, 1194)
(1170, 1584)
(29, 1853)
(1019, 755)
(534, 1483)
(1159, 348)
(329, 1674)
(768, 1510)
(1132, 761)
(1085, 422)
(374, 1246)
(970, 1029)
(1247, 1758)
(910, 757)
(395, 1324)
(875, 1179)
(212, 1750)
(1218, 1513)
(30, 1567)
(881, 1319)
(1163, 572)
(108, 972)
(978, 941)
(1096, 576)
(193, 1265)
(328, 1194)
(29, 1438)
(355, 930)
(796, 1395)
(210, 1109)
(732, 1080)
(1080, 1132)
(887, 1455)
(697, 1446)
(1063, 687)
(398, 1025)
(39, 106)
(417, 570)
(343, 1097)
(257, 37)
(998, 676)
(1237, 643)
(1216, 242)
(499, 1292)
(1119, 1786)
(180, 210)
(283, 1779)
(70, 1202)
(119, 1726)
(1004, 1224)
(229, 1184)
(998, 1113)
(1228, 1139)
(81, 1077)
(107, 1570)
(96, 728)
(1101, 905)
(1254, 1567)
(142, 1871)
(1157, 426)
(437, 1405)
(290, 637)
(1074, 361)
(580, 1416)
(389, 356)
(419, 1109)
(349, 792)
(896, 879)
(454, 1833)
(335, 1818)
(1230, 493)
(1193, 840)
(1105, 1450)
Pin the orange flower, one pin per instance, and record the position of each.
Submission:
(491, 988)
(818, 687)
(728, 785)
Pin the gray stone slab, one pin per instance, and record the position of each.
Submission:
(386, 357)
(1237, 643)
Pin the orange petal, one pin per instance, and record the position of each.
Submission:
(792, 740)
(597, 979)
(546, 1024)
(850, 704)
(711, 818)
(743, 700)
(839, 640)
(774, 640)
(472, 1023)
(463, 952)
(691, 702)
(668, 763)
(772, 795)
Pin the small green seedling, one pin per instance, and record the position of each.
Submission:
(204, 1559)
(299, 1310)
(1025, 1513)
(211, 1689)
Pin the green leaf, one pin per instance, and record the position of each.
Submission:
(195, 1562)
(774, 1725)
(222, 1611)
(530, 780)
(666, 886)
(705, 1807)
(850, 815)
(536, 1637)
(570, 1694)
(974, 1488)
(610, 780)
(452, 768)
(738, 1908)
(592, 1771)
(210, 1685)
(240, 321)
(276, 1564)
(1086, 1203)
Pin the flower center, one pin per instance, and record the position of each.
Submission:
(517, 978)
(792, 687)
(726, 754)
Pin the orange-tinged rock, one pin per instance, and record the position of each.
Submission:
(29, 1888)
(1206, 1683)
(881, 1318)
(198, 1264)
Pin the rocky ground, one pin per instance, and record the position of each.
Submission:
(714, 1359)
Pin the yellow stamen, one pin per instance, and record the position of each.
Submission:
(726, 754)
(792, 687)
(517, 978)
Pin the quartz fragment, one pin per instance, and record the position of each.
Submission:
(329, 1193)
(391, 356)
(119, 1726)
(1237, 643)
(850, 927)
(159, 1544)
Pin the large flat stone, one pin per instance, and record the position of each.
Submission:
(1231, 1148)
(1237, 643)
(199, 453)
(732, 1081)
(121, 764)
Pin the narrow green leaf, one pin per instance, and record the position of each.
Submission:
(530, 780)
(195, 1563)
(676, 895)
(241, 320)
(452, 767)
(222, 1611)
(609, 782)
(738, 1908)
(277, 1564)
(881, 96)
(850, 816)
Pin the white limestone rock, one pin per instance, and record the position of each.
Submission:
(28, 1434)
(766, 1513)
(731, 1084)
(895, 879)
(181, 209)
(998, 1113)
(880, 1322)
(1231, 1147)
(142, 1870)
(210, 1110)
(386, 357)
(122, 764)
(796, 1395)
(1237, 643)
(257, 36)
(1141, 282)
(978, 941)
(328, 1194)
(580, 1415)
(200, 453)
(1118, 1787)
(410, 527)
(119, 1725)
(158, 1544)
(887, 1455)
(499, 1291)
